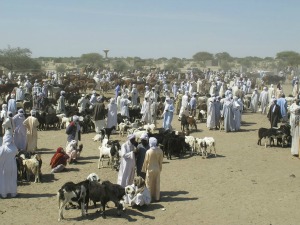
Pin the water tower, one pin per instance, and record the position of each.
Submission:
(106, 52)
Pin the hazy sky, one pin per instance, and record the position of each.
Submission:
(151, 29)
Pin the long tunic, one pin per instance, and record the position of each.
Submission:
(124, 107)
(254, 101)
(264, 101)
(127, 165)
(168, 116)
(140, 157)
(20, 131)
(12, 106)
(31, 124)
(283, 107)
(211, 119)
(61, 107)
(274, 115)
(8, 170)
(228, 116)
(153, 167)
(145, 110)
(236, 115)
(134, 96)
(295, 128)
(112, 115)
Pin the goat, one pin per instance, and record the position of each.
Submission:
(32, 166)
(123, 127)
(107, 131)
(149, 127)
(111, 152)
(71, 192)
(208, 142)
(191, 141)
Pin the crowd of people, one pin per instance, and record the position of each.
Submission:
(141, 163)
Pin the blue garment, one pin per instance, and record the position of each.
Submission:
(168, 116)
(117, 90)
(283, 107)
(193, 103)
(228, 116)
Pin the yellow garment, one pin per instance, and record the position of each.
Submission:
(153, 166)
(31, 124)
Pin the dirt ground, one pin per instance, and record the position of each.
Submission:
(244, 184)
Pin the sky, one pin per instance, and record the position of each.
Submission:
(150, 29)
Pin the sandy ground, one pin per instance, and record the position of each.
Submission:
(244, 184)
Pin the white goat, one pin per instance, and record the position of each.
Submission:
(150, 127)
(110, 151)
(138, 134)
(32, 166)
(208, 142)
(191, 141)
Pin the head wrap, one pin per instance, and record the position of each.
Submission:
(94, 92)
(130, 136)
(10, 114)
(7, 139)
(62, 92)
(75, 118)
(33, 112)
(152, 142)
(12, 95)
(144, 136)
(21, 111)
(59, 150)
(4, 106)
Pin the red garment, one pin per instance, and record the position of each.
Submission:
(59, 158)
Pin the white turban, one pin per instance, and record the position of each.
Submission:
(33, 112)
(21, 111)
(7, 139)
(75, 118)
(130, 136)
(144, 136)
(152, 142)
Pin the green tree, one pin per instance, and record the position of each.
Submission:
(291, 58)
(93, 59)
(223, 56)
(18, 59)
(120, 66)
(203, 56)
(61, 68)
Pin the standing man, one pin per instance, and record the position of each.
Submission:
(283, 107)
(117, 90)
(31, 124)
(134, 95)
(145, 111)
(211, 120)
(193, 105)
(82, 103)
(274, 114)
(127, 165)
(99, 114)
(140, 155)
(254, 101)
(20, 130)
(112, 113)
(12, 104)
(61, 105)
(152, 167)
(168, 114)
(264, 100)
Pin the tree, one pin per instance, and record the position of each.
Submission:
(291, 58)
(223, 56)
(120, 66)
(61, 68)
(18, 59)
(93, 59)
(203, 56)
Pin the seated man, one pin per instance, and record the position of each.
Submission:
(137, 193)
(59, 161)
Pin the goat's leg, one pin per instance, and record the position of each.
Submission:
(83, 212)
(60, 210)
(99, 162)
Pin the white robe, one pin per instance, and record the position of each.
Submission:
(146, 112)
(124, 107)
(8, 170)
(127, 165)
(254, 101)
(185, 101)
(119, 103)
(112, 115)
(295, 129)
(211, 121)
(20, 132)
(143, 198)
(264, 101)
(134, 96)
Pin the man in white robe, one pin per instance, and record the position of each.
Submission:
(140, 194)
(20, 130)
(264, 100)
(31, 123)
(295, 127)
(254, 101)
(124, 106)
(134, 95)
(112, 113)
(12, 104)
(20, 94)
(145, 111)
(82, 103)
(127, 165)
(271, 92)
(211, 120)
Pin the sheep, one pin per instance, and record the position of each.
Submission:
(110, 151)
(32, 166)
(73, 192)
(60, 117)
(138, 133)
(208, 142)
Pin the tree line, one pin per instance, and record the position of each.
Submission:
(20, 59)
